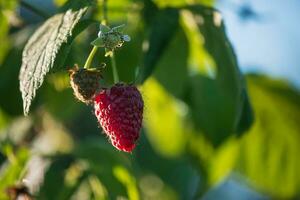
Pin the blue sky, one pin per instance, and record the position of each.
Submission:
(269, 44)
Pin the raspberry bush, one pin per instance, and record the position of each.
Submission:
(72, 129)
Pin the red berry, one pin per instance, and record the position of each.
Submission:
(119, 110)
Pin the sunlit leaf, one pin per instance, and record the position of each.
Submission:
(12, 172)
(200, 62)
(269, 154)
(177, 3)
(220, 100)
(41, 50)
(164, 119)
(126, 178)
(6, 12)
(163, 27)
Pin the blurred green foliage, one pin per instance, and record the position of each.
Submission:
(200, 127)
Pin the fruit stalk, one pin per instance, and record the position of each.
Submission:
(90, 58)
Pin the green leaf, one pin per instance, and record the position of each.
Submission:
(164, 120)
(41, 50)
(123, 175)
(149, 11)
(75, 5)
(103, 159)
(127, 67)
(54, 181)
(177, 48)
(269, 152)
(12, 103)
(65, 49)
(220, 100)
(162, 30)
(54, 99)
(6, 12)
(11, 173)
(246, 118)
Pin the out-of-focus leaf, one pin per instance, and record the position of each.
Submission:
(129, 57)
(11, 102)
(246, 118)
(214, 164)
(91, 149)
(12, 172)
(164, 119)
(126, 178)
(102, 160)
(59, 2)
(269, 153)
(221, 100)
(75, 5)
(199, 60)
(118, 10)
(177, 3)
(163, 27)
(211, 111)
(4, 119)
(149, 11)
(167, 65)
(172, 178)
(58, 97)
(70, 190)
(6, 11)
(54, 181)
(3, 36)
(42, 50)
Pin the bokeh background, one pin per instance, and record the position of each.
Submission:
(222, 106)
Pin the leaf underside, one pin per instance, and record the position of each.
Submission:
(41, 50)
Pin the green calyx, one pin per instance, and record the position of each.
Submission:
(110, 38)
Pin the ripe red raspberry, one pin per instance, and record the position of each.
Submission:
(119, 110)
(85, 83)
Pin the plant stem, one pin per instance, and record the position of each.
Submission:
(34, 9)
(114, 68)
(90, 58)
(104, 12)
(112, 58)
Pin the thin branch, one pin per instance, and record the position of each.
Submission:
(104, 12)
